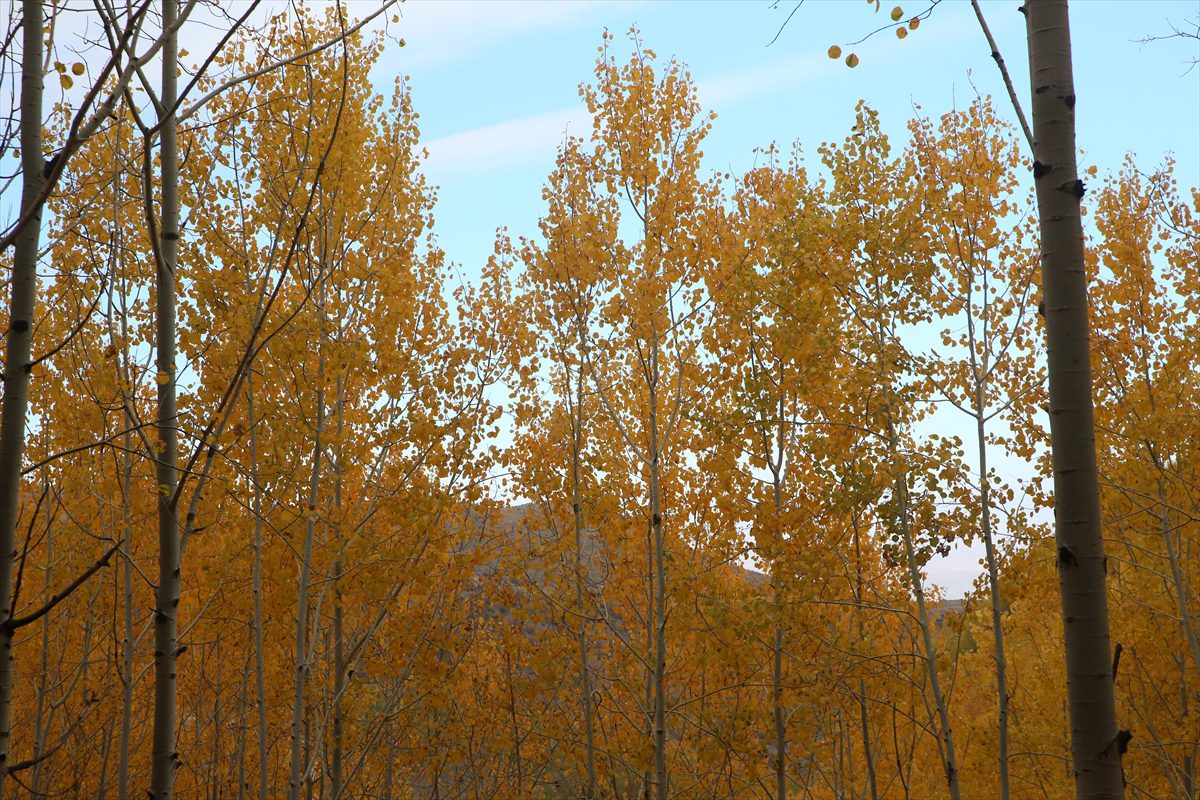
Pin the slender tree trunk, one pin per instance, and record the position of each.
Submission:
(216, 768)
(18, 344)
(299, 720)
(39, 720)
(581, 577)
(777, 703)
(946, 737)
(660, 589)
(1096, 744)
(993, 569)
(242, 783)
(127, 622)
(864, 716)
(1187, 625)
(777, 654)
(339, 657)
(260, 688)
(164, 757)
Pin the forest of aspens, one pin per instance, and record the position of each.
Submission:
(644, 506)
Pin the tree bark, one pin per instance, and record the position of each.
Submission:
(1096, 744)
(18, 344)
(993, 568)
(585, 668)
(660, 587)
(164, 756)
(299, 722)
(946, 735)
(260, 687)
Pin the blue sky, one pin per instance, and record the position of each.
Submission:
(496, 85)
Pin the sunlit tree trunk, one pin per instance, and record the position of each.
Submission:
(1096, 744)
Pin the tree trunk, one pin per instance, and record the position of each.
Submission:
(260, 688)
(993, 569)
(39, 720)
(585, 669)
(164, 756)
(339, 655)
(863, 714)
(299, 721)
(127, 622)
(660, 589)
(18, 344)
(946, 735)
(1096, 744)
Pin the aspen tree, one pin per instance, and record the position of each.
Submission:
(1096, 743)
(983, 288)
(17, 347)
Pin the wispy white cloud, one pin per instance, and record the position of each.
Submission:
(763, 79)
(505, 143)
(513, 141)
(438, 32)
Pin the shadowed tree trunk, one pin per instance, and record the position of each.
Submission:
(18, 343)
(166, 624)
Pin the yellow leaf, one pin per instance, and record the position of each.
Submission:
(65, 80)
(77, 68)
(835, 52)
(914, 23)
(163, 378)
(901, 33)
(897, 13)
(852, 61)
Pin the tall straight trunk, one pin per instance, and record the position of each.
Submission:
(39, 720)
(299, 718)
(1096, 743)
(864, 716)
(14, 408)
(780, 720)
(216, 767)
(660, 588)
(164, 756)
(242, 783)
(127, 623)
(339, 656)
(777, 702)
(993, 569)
(260, 687)
(581, 577)
(1187, 625)
(647, 778)
(946, 734)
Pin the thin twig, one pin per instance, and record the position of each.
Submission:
(1008, 84)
